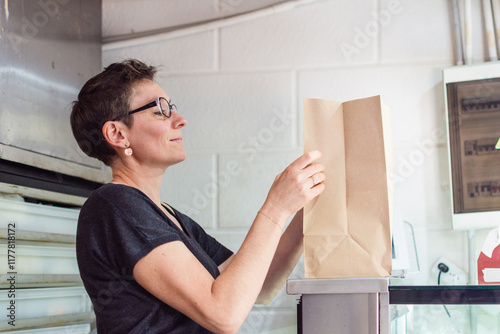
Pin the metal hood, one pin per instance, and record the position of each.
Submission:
(48, 50)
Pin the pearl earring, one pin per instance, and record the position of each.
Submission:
(128, 151)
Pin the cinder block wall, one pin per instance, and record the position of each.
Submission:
(240, 85)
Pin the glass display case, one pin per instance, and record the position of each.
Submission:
(470, 309)
(372, 306)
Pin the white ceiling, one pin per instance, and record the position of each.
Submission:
(123, 19)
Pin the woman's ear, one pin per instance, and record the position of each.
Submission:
(115, 135)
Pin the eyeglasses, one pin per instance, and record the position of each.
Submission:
(163, 105)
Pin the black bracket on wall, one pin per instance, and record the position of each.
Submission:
(33, 177)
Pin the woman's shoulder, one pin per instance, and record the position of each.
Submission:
(116, 192)
(114, 206)
(116, 197)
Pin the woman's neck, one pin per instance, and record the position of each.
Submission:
(144, 179)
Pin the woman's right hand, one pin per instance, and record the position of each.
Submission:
(299, 183)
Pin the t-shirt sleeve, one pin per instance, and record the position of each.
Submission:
(217, 251)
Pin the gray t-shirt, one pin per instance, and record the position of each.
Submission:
(118, 226)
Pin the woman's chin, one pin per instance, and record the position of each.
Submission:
(179, 158)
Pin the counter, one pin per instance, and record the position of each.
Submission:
(371, 306)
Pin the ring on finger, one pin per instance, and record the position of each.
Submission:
(312, 178)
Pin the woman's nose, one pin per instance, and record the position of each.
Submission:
(177, 120)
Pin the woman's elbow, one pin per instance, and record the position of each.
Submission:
(227, 326)
(226, 322)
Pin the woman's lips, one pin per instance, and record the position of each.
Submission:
(178, 139)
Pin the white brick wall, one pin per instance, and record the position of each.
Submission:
(307, 36)
(172, 53)
(241, 85)
(244, 101)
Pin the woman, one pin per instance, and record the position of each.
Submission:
(147, 267)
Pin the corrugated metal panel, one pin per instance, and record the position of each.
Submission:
(37, 250)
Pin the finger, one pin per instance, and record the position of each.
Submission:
(313, 169)
(317, 178)
(316, 190)
(313, 181)
(306, 159)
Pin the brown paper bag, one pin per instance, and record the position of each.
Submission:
(347, 228)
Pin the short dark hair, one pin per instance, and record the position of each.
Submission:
(103, 98)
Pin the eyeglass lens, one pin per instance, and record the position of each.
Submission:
(167, 108)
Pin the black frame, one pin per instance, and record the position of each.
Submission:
(156, 103)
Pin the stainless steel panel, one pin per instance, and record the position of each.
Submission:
(336, 285)
(48, 49)
(340, 313)
(343, 306)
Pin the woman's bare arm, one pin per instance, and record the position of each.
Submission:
(174, 275)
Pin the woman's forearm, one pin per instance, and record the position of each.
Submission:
(285, 259)
(241, 282)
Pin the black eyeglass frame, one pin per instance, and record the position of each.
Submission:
(157, 103)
